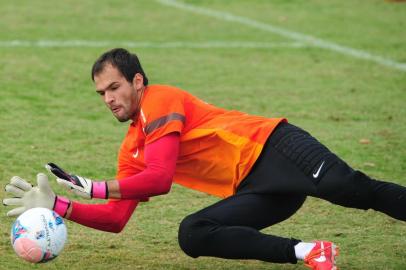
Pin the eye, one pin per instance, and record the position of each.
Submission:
(101, 93)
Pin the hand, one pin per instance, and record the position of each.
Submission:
(79, 185)
(26, 196)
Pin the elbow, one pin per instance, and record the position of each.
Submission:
(117, 227)
(166, 190)
(119, 221)
(166, 184)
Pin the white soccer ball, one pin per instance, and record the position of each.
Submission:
(38, 235)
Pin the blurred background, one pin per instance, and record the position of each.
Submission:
(335, 68)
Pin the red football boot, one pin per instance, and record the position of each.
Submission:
(322, 256)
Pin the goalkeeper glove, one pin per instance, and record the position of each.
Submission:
(26, 196)
(79, 185)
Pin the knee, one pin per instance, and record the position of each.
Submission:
(348, 188)
(192, 232)
(185, 235)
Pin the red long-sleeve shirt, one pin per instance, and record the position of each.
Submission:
(156, 179)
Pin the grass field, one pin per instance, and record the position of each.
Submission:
(258, 59)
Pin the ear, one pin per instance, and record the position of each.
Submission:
(138, 82)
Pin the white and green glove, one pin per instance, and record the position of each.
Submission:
(79, 185)
(26, 196)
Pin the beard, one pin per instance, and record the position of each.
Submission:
(127, 114)
(122, 118)
(130, 110)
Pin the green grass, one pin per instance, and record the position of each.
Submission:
(49, 112)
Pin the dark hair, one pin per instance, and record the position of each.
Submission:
(126, 62)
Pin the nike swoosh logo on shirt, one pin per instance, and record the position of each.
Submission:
(322, 257)
(317, 173)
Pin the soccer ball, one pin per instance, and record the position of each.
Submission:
(38, 235)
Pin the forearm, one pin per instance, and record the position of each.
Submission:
(110, 217)
(143, 185)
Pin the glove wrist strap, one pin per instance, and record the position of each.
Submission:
(99, 190)
(61, 205)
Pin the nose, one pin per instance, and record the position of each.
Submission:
(108, 97)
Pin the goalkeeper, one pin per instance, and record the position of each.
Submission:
(263, 168)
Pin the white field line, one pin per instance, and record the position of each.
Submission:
(135, 44)
(303, 38)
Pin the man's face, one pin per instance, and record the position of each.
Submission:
(120, 96)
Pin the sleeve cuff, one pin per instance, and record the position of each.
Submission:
(61, 205)
(99, 190)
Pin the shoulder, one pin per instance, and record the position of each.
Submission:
(160, 99)
(164, 91)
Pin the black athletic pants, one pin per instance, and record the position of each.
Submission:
(292, 165)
